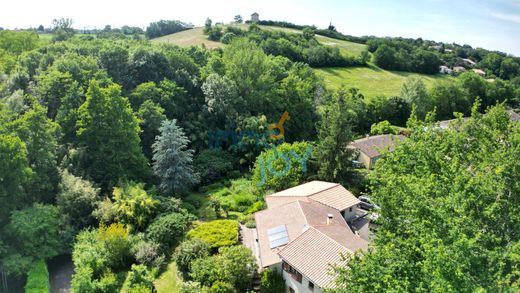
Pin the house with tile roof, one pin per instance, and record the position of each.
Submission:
(304, 232)
(369, 148)
(445, 124)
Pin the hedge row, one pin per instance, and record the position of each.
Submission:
(38, 279)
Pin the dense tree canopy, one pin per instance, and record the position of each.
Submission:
(34, 234)
(449, 217)
(109, 130)
(80, 115)
(335, 132)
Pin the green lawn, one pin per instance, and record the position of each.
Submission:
(347, 48)
(372, 81)
(191, 37)
(168, 282)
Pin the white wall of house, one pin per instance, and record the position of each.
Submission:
(349, 213)
(298, 287)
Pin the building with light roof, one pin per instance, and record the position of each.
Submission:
(304, 232)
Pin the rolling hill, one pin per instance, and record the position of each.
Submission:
(371, 81)
(196, 37)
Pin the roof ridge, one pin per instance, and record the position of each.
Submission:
(335, 185)
(284, 204)
(335, 240)
(322, 203)
(303, 213)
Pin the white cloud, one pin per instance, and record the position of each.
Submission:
(507, 17)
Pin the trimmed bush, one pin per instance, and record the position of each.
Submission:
(38, 279)
(188, 251)
(217, 233)
(166, 230)
(234, 265)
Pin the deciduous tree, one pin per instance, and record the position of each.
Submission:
(449, 211)
(109, 131)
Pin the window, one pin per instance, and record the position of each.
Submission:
(311, 286)
(291, 271)
(350, 209)
(285, 266)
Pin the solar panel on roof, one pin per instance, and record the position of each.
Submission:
(276, 229)
(277, 236)
(279, 242)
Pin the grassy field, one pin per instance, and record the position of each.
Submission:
(169, 281)
(196, 37)
(191, 37)
(347, 48)
(372, 81)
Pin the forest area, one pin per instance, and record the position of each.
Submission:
(131, 156)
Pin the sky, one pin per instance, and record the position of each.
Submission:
(493, 25)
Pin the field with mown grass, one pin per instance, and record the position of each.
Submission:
(372, 80)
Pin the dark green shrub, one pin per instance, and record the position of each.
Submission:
(215, 33)
(272, 281)
(227, 38)
(166, 230)
(233, 265)
(213, 164)
(188, 251)
(221, 287)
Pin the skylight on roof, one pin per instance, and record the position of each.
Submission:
(277, 236)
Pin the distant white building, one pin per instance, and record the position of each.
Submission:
(468, 62)
(445, 70)
(479, 72)
(458, 69)
(255, 17)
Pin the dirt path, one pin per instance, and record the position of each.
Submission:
(60, 273)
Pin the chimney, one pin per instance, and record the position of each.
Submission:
(329, 218)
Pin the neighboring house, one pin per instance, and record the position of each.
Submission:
(468, 62)
(369, 148)
(513, 116)
(445, 70)
(255, 17)
(445, 124)
(303, 232)
(479, 72)
(458, 69)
